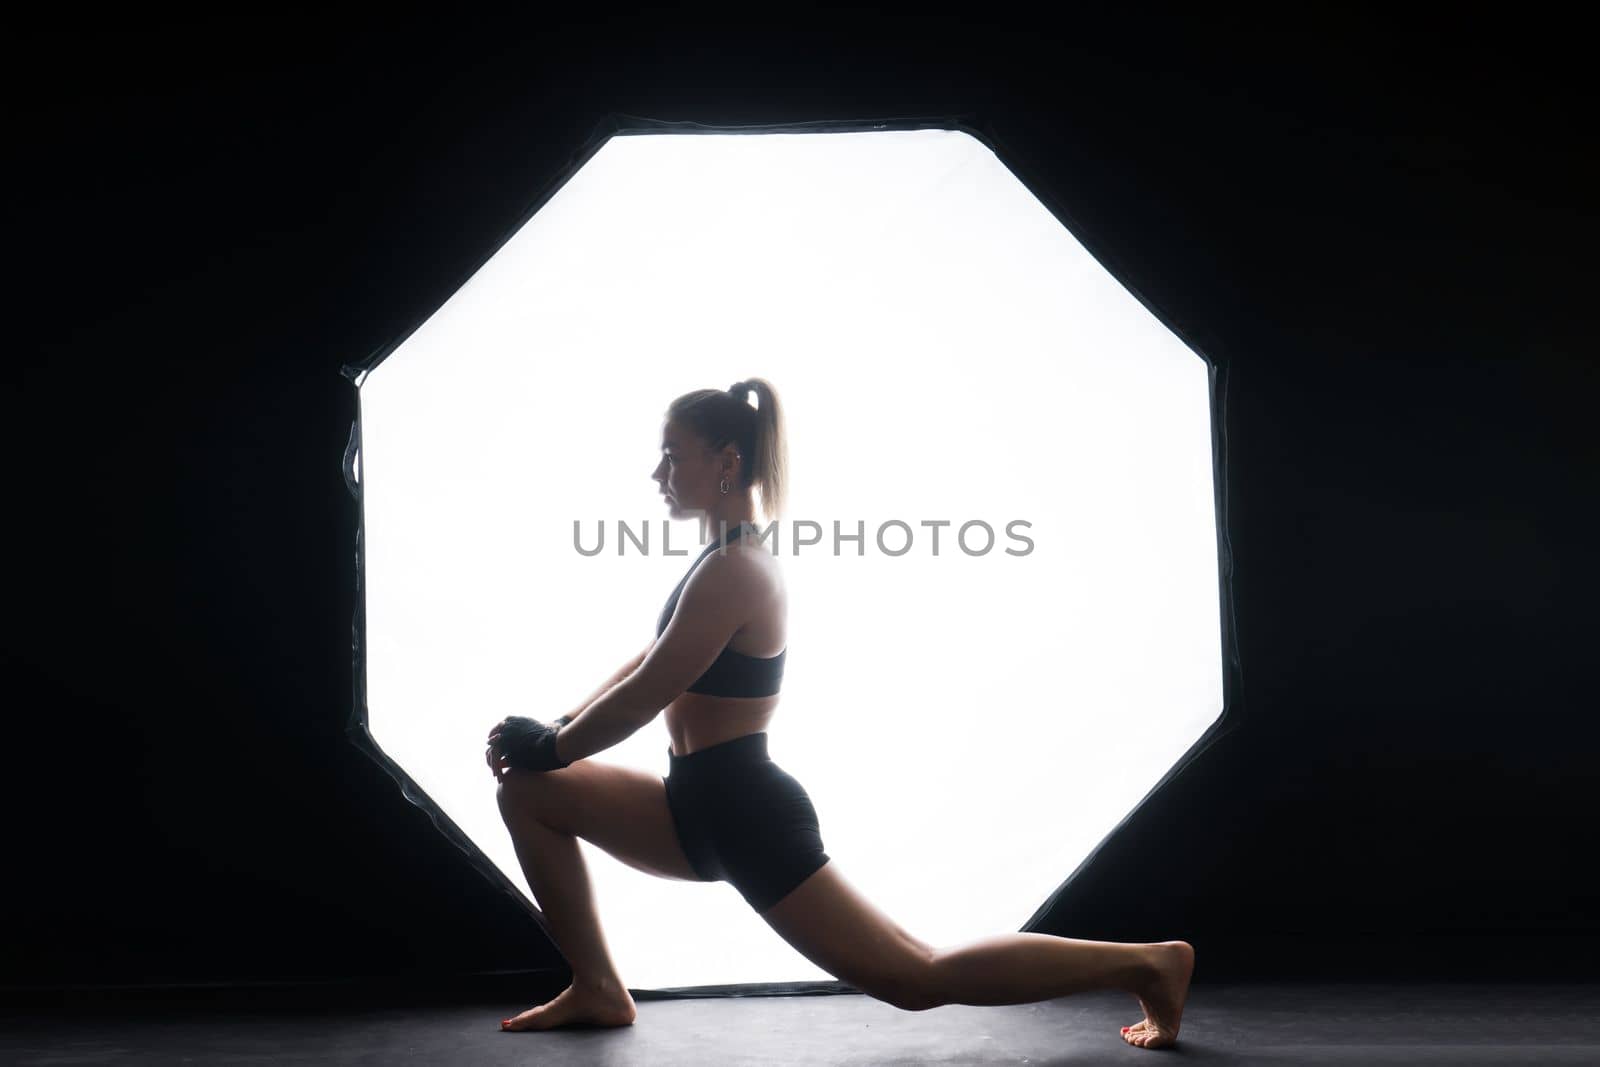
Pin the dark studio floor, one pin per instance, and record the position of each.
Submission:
(1223, 1024)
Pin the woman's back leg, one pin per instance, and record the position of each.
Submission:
(834, 925)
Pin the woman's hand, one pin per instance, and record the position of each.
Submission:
(521, 732)
(494, 757)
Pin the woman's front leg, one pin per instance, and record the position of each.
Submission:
(559, 877)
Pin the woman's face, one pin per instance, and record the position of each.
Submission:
(688, 472)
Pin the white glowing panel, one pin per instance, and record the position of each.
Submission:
(969, 726)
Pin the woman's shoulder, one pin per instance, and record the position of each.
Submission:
(744, 564)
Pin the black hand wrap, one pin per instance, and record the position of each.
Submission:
(530, 745)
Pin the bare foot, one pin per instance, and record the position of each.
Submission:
(1164, 998)
(577, 1006)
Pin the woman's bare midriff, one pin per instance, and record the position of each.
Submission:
(697, 720)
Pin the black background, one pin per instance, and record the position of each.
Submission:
(1385, 231)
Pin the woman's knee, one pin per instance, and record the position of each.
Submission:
(914, 986)
(911, 994)
(521, 795)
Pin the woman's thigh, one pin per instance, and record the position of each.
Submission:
(834, 925)
(618, 809)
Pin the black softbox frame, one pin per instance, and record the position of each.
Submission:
(616, 124)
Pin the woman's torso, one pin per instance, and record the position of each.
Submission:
(700, 720)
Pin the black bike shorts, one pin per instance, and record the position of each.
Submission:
(743, 819)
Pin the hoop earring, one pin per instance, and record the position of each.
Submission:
(724, 486)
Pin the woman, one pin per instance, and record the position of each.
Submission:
(726, 811)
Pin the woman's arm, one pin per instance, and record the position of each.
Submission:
(605, 686)
(712, 608)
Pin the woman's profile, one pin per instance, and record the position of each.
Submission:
(726, 811)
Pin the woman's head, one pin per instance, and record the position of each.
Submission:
(717, 448)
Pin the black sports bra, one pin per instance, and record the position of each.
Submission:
(731, 674)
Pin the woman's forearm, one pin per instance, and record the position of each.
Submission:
(605, 686)
(616, 716)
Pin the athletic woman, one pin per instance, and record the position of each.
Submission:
(726, 811)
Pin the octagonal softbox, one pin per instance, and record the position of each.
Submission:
(1004, 553)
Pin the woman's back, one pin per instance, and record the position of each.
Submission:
(738, 694)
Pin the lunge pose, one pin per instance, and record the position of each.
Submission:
(726, 811)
